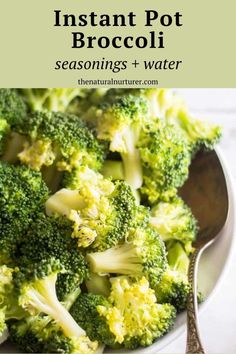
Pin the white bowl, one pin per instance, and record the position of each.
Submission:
(212, 267)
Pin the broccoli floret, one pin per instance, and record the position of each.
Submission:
(101, 210)
(52, 236)
(165, 158)
(83, 106)
(143, 254)
(28, 333)
(130, 317)
(51, 99)
(159, 100)
(120, 123)
(4, 131)
(9, 308)
(198, 134)
(59, 138)
(174, 286)
(85, 312)
(12, 111)
(37, 295)
(174, 221)
(167, 105)
(141, 217)
(22, 196)
(155, 156)
(12, 107)
(39, 334)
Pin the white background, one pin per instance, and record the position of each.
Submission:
(218, 321)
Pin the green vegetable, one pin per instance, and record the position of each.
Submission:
(120, 123)
(4, 131)
(51, 99)
(61, 138)
(174, 221)
(199, 134)
(52, 236)
(9, 308)
(143, 254)
(85, 312)
(22, 197)
(37, 295)
(130, 317)
(165, 158)
(12, 107)
(101, 210)
(12, 111)
(174, 287)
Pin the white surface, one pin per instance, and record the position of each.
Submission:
(218, 322)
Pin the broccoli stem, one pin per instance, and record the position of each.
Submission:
(133, 169)
(100, 349)
(121, 259)
(177, 258)
(98, 285)
(36, 102)
(132, 161)
(63, 202)
(113, 169)
(43, 297)
(70, 298)
(60, 99)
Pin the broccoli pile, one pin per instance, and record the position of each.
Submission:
(94, 240)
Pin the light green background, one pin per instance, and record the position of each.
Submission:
(30, 44)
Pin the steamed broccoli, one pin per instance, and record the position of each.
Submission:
(199, 134)
(101, 210)
(22, 197)
(85, 312)
(174, 287)
(37, 295)
(51, 99)
(12, 111)
(32, 334)
(169, 106)
(103, 259)
(155, 156)
(142, 254)
(165, 159)
(158, 99)
(174, 220)
(12, 107)
(9, 308)
(86, 104)
(52, 236)
(120, 123)
(129, 318)
(61, 138)
(4, 131)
